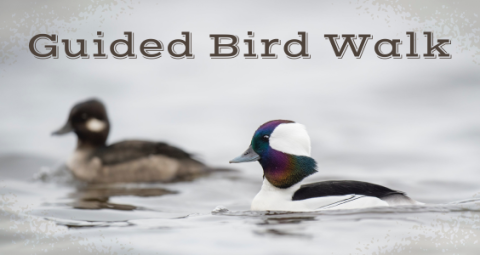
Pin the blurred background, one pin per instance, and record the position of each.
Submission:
(409, 124)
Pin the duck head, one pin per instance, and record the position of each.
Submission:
(89, 121)
(282, 147)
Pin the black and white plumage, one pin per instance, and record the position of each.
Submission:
(282, 148)
(340, 188)
(126, 161)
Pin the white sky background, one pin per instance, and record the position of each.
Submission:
(368, 108)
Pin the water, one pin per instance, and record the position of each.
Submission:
(411, 125)
(51, 212)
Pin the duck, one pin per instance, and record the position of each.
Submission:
(283, 149)
(93, 161)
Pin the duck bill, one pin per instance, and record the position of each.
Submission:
(248, 156)
(67, 128)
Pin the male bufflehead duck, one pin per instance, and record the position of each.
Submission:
(282, 148)
(127, 161)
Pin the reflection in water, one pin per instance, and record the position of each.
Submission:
(97, 196)
(455, 224)
(286, 220)
(88, 224)
(278, 232)
(283, 226)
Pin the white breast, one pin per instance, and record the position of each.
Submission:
(82, 166)
(271, 198)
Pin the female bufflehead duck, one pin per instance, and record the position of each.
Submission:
(127, 161)
(283, 149)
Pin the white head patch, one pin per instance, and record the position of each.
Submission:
(291, 138)
(95, 125)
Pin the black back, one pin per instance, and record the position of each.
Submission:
(340, 188)
(134, 149)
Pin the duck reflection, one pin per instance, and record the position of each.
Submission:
(284, 225)
(280, 233)
(286, 220)
(96, 197)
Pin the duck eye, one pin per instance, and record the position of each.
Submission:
(266, 137)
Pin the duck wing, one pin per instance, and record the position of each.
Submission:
(357, 189)
(135, 149)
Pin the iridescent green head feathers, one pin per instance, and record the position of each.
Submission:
(282, 147)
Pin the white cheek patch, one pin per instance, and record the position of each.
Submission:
(291, 138)
(95, 125)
